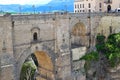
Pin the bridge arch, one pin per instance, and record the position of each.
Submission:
(45, 66)
(78, 34)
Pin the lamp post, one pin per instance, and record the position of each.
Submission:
(33, 8)
(50, 7)
(65, 6)
(19, 9)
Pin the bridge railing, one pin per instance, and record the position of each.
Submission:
(95, 14)
(60, 14)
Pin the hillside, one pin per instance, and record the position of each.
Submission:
(54, 5)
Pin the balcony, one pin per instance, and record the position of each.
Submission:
(108, 1)
(78, 0)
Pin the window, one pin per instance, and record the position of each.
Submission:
(75, 11)
(100, 5)
(80, 5)
(89, 6)
(35, 33)
(108, 8)
(75, 5)
(108, 1)
(35, 38)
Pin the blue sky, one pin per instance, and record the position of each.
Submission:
(40, 5)
(23, 2)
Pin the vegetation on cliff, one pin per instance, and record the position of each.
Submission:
(107, 55)
(28, 71)
(110, 49)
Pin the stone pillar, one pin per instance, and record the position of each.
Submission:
(7, 55)
(7, 67)
(63, 65)
(63, 62)
(66, 68)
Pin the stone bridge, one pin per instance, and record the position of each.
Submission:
(50, 37)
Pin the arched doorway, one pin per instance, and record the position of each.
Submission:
(37, 66)
(78, 35)
(108, 8)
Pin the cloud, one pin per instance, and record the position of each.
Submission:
(23, 2)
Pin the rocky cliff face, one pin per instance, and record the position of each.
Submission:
(100, 70)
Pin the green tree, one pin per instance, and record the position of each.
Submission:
(28, 71)
(107, 54)
(112, 47)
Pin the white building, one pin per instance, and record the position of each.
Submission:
(81, 6)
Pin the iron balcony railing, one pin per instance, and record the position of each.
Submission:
(108, 1)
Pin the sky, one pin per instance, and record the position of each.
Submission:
(23, 2)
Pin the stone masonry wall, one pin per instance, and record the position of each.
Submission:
(16, 32)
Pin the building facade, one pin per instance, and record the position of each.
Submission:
(82, 6)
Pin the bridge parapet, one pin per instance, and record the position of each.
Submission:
(94, 14)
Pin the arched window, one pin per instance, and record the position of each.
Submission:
(89, 5)
(108, 8)
(35, 37)
(100, 5)
(109, 1)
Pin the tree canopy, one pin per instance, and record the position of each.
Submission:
(109, 47)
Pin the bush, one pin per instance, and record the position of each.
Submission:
(110, 49)
(28, 70)
(92, 56)
(100, 39)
